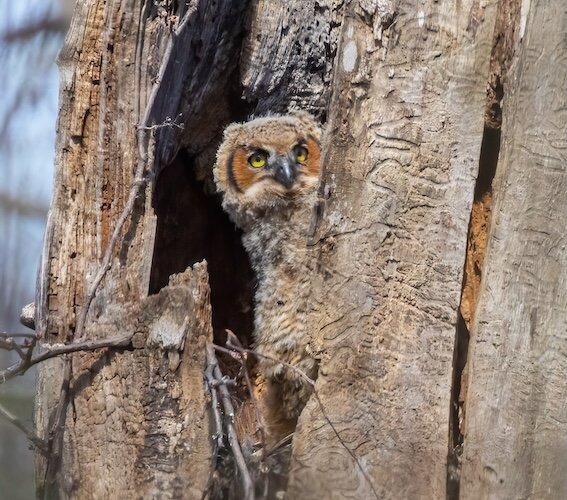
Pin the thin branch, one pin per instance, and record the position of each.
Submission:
(36, 441)
(234, 351)
(261, 427)
(11, 345)
(229, 414)
(218, 436)
(21, 366)
(59, 349)
(344, 445)
(55, 436)
(240, 350)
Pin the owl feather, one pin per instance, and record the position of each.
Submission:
(268, 171)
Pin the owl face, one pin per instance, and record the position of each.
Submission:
(266, 159)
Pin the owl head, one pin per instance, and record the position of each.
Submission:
(268, 162)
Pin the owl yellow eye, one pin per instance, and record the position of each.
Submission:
(258, 159)
(300, 153)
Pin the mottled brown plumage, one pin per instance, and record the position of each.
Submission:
(268, 172)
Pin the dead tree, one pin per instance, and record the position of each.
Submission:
(146, 89)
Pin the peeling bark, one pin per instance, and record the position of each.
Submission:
(132, 421)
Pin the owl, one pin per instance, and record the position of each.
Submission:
(268, 171)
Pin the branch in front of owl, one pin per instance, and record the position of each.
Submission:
(232, 341)
(235, 349)
(216, 381)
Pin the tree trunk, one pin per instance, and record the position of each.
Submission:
(404, 134)
(146, 90)
(516, 425)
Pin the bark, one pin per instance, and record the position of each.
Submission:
(142, 436)
(129, 420)
(146, 90)
(403, 147)
(516, 431)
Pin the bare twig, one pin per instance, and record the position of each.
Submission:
(56, 25)
(218, 436)
(36, 441)
(229, 414)
(11, 345)
(22, 365)
(8, 341)
(343, 444)
(55, 436)
(239, 350)
(261, 427)
(59, 349)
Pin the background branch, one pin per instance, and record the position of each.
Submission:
(36, 441)
(54, 350)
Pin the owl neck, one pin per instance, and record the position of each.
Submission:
(277, 238)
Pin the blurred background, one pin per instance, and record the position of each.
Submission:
(31, 34)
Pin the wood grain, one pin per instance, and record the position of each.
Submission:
(402, 151)
(141, 409)
(516, 431)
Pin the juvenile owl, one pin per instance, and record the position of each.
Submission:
(268, 172)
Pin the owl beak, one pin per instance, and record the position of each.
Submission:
(284, 171)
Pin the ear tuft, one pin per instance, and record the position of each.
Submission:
(232, 130)
(309, 122)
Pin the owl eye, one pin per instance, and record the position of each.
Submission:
(300, 153)
(258, 159)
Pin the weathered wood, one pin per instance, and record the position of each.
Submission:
(159, 422)
(155, 427)
(143, 410)
(403, 88)
(516, 429)
(289, 53)
(402, 151)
